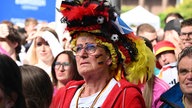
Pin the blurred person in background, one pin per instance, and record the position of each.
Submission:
(10, 40)
(172, 16)
(29, 29)
(154, 87)
(44, 49)
(147, 31)
(171, 33)
(37, 87)
(186, 33)
(64, 69)
(11, 93)
(165, 54)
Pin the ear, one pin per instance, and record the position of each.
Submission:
(15, 44)
(109, 60)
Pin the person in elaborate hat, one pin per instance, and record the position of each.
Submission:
(109, 56)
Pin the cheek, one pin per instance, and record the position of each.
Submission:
(181, 78)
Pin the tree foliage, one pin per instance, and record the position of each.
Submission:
(185, 9)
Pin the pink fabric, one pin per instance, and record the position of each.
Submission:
(159, 88)
(2, 51)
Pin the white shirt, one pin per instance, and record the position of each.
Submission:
(86, 102)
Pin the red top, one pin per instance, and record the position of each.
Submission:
(123, 95)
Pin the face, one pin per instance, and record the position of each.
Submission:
(186, 36)
(151, 36)
(166, 57)
(43, 51)
(185, 75)
(8, 46)
(91, 62)
(63, 69)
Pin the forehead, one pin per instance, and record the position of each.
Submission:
(40, 39)
(149, 35)
(185, 62)
(85, 39)
(186, 28)
(63, 56)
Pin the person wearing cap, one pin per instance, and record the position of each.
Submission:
(180, 95)
(164, 52)
(171, 33)
(186, 33)
(172, 16)
(110, 58)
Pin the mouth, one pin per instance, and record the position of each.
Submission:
(84, 63)
(189, 84)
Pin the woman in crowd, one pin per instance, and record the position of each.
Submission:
(64, 69)
(10, 40)
(44, 48)
(107, 58)
(37, 87)
(11, 95)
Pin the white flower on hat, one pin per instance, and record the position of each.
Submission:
(115, 37)
(100, 20)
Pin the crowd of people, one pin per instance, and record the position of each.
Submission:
(106, 63)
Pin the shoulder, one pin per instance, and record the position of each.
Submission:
(65, 94)
(126, 94)
(173, 96)
(172, 92)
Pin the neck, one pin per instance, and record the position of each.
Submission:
(44, 63)
(13, 56)
(60, 84)
(188, 101)
(94, 87)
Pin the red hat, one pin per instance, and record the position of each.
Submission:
(163, 46)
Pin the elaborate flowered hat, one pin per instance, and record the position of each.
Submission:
(131, 58)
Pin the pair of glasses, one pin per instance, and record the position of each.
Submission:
(89, 48)
(189, 34)
(59, 64)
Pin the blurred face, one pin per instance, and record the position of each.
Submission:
(185, 75)
(186, 36)
(92, 59)
(43, 51)
(151, 36)
(8, 46)
(166, 57)
(63, 69)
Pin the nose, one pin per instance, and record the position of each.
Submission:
(189, 76)
(83, 53)
(43, 47)
(163, 57)
(61, 68)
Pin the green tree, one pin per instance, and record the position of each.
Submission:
(185, 9)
